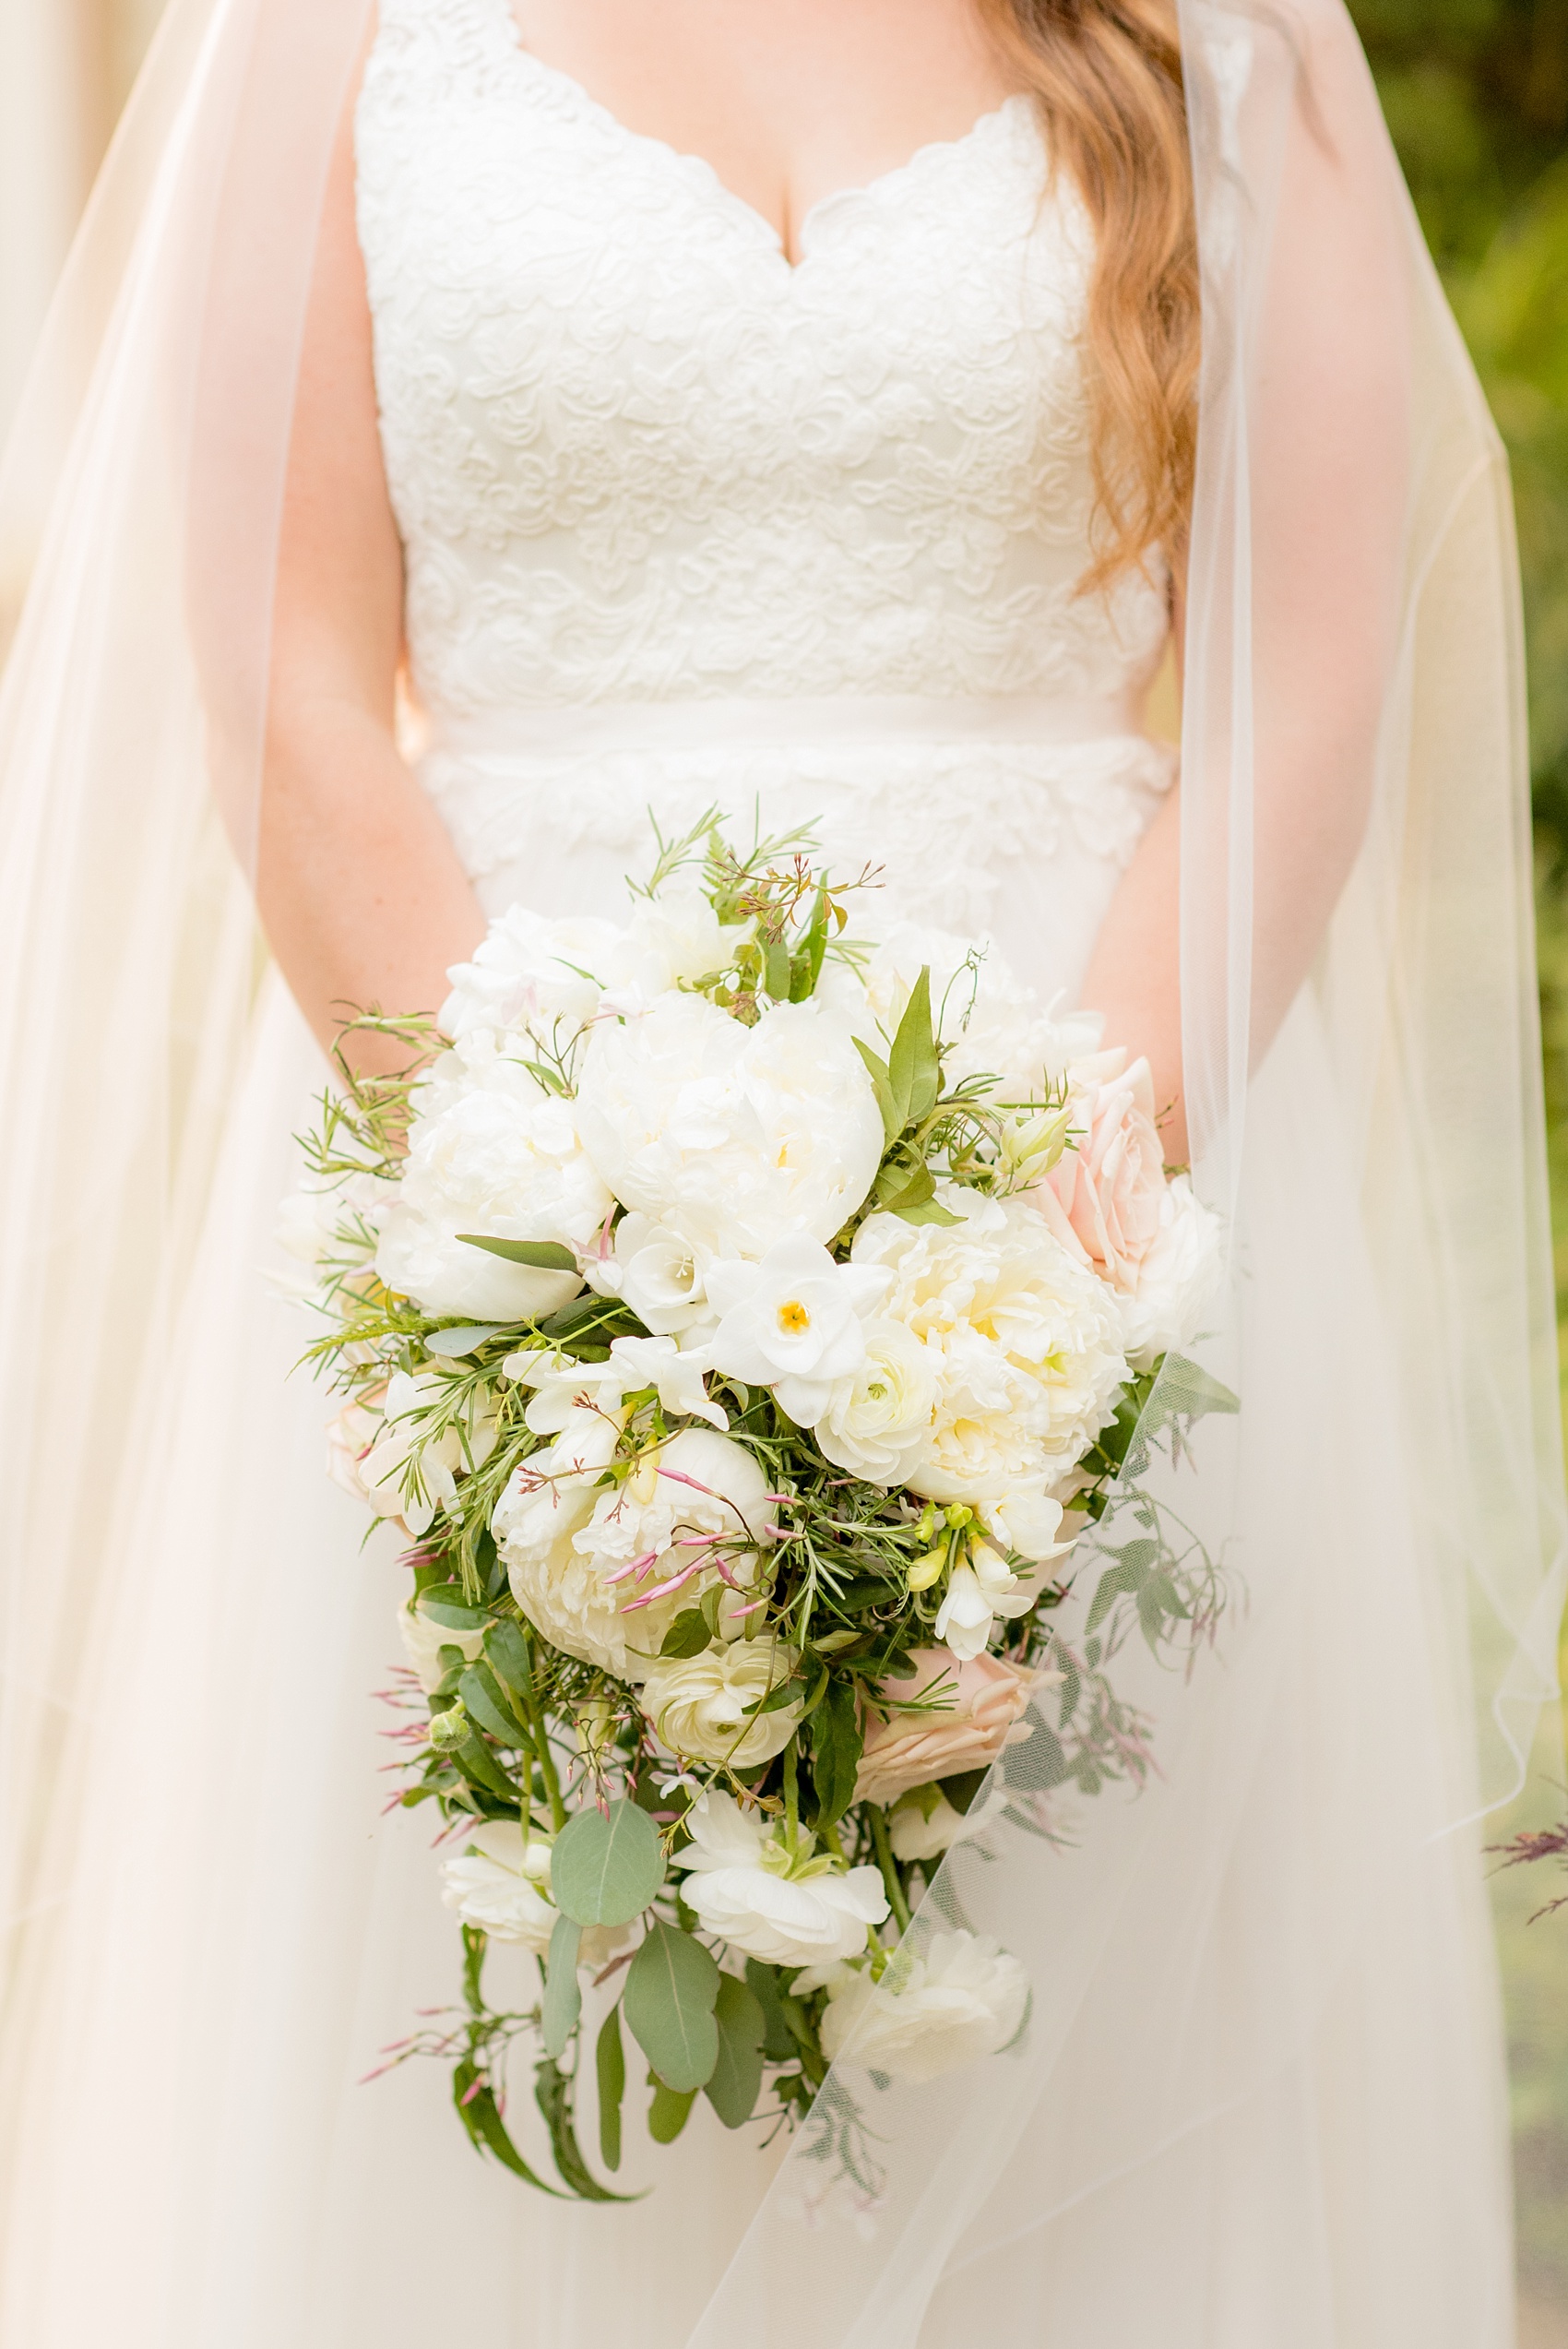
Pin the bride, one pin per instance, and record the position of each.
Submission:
(463, 431)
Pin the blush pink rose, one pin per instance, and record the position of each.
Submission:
(1104, 1199)
(982, 1702)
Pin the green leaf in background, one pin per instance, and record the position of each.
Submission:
(484, 1700)
(776, 969)
(507, 1651)
(672, 1984)
(778, 2041)
(606, 1868)
(881, 1085)
(835, 1751)
(736, 2081)
(449, 1605)
(454, 1343)
(553, 2091)
(563, 1992)
(669, 2111)
(914, 1071)
(487, 2131)
(688, 1635)
(543, 1256)
(610, 2064)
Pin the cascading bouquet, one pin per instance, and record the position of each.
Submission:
(743, 1313)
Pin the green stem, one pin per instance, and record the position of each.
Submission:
(888, 1866)
(792, 1794)
(543, 1756)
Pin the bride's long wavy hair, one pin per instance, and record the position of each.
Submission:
(1107, 76)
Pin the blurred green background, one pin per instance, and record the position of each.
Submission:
(1475, 92)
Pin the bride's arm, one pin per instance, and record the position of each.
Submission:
(361, 894)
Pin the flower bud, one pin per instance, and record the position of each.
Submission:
(926, 1570)
(451, 1728)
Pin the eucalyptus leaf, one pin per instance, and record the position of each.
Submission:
(544, 1256)
(610, 2063)
(672, 1984)
(478, 2112)
(457, 1343)
(563, 1992)
(606, 1868)
(736, 2083)
(669, 2113)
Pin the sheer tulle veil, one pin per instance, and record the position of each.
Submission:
(1362, 1065)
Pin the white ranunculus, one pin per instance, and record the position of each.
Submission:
(408, 1473)
(747, 1889)
(1177, 1280)
(424, 1640)
(794, 1322)
(661, 1269)
(1024, 1344)
(528, 978)
(502, 1885)
(965, 1998)
(876, 1423)
(490, 1153)
(696, 1499)
(704, 1707)
(740, 1134)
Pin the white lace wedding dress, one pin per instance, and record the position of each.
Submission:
(685, 524)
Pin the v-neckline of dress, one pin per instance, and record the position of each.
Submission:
(699, 171)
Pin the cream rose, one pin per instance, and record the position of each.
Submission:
(983, 1700)
(965, 1998)
(876, 1422)
(1106, 1194)
(704, 1707)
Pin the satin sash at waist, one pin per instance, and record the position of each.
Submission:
(875, 721)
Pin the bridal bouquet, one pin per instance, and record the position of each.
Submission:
(743, 1310)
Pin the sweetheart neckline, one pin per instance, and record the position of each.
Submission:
(697, 167)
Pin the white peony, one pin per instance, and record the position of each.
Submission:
(792, 1322)
(668, 939)
(424, 1640)
(1024, 1344)
(490, 1152)
(1177, 1280)
(704, 1707)
(604, 1571)
(502, 1885)
(534, 976)
(748, 1888)
(409, 1474)
(876, 1422)
(750, 1133)
(965, 1998)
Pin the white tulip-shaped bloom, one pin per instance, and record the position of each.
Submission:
(746, 1133)
(490, 1152)
(980, 1593)
(965, 1998)
(660, 1268)
(1025, 1343)
(794, 1322)
(748, 1890)
(502, 1885)
(707, 1708)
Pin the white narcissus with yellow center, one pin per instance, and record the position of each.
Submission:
(962, 1998)
(795, 1322)
(740, 1134)
(787, 1907)
(709, 1707)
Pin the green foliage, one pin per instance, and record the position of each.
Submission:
(671, 1987)
(563, 1992)
(606, 1868)
(610, 2065)
(735, 2082)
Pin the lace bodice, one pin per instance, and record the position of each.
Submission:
(638, 458)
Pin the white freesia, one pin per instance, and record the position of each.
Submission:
(750, 1133)
(1024, 1344)
(408, 1473)
(964, 1997)
(794, 1322)
(562, 1384)
(490, 1153)
(876, 1422)
(424, 1640)
(706, 1706)
(1177, 1280)
(603, 1572)
(660, 1268)
(501, 1884)
(979, 1592)
(789, 1909)
(923, 1825)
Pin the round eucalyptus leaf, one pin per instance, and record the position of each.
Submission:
(605, 1869)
